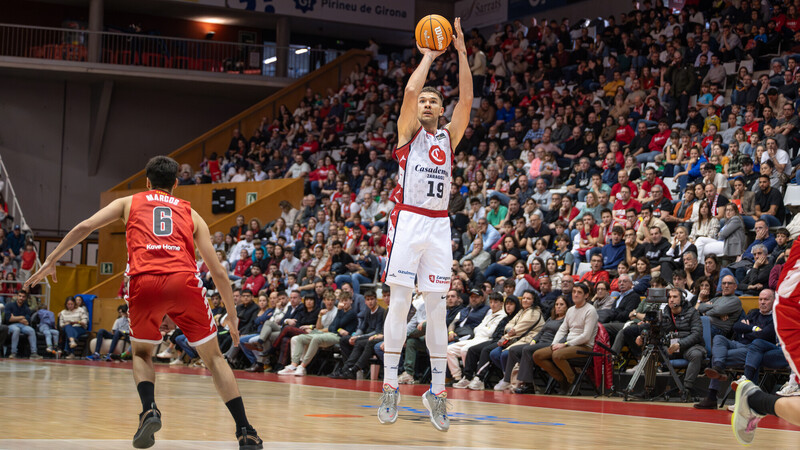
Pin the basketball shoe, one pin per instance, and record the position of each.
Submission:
(149, 424)
(387, 412)
(744, 420)
(248, 439)
(437, 408)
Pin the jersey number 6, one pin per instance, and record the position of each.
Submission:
(438, 187)
(162, 221)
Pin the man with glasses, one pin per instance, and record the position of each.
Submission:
(757, 277)
(724, 310)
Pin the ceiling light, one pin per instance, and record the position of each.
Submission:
(300, 51)
(270, 60)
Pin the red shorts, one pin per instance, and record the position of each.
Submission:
(181, 296)
(786, 315)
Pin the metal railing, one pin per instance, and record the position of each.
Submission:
(158, 51)
(15, 215)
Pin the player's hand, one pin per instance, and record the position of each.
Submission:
(458, 37)
(48, 268)
(233, 324)
(429, 52)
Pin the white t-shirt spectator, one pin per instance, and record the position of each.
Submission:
(238, 178)
(782, 158)
(233, 256)
(298, 170)
(289, 264)
(368, 213)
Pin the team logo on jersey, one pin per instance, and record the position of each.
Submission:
(437, 155)
(438, 279)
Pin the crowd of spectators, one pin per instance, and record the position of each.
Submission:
(648, 150)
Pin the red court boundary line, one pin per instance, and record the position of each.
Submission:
(635, 409)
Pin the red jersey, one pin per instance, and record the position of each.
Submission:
(159, 235)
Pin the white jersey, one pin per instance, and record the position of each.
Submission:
(425, 168)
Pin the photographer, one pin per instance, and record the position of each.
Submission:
(687, 344)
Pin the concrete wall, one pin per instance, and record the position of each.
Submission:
(44, 130)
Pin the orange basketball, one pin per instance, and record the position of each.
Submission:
(434, 32)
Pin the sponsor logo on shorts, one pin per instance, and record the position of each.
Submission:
(405, 272)
(438, 279)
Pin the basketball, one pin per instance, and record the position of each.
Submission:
(434, 32)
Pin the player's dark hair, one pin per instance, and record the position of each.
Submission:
(162, 171)
(435, 91)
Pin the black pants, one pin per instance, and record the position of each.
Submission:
(3, 337)
(628, 337)
(478, 357)
(613, 328)
(359, 354)
(523, 354)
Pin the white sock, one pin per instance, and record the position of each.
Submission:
(436, 337)
(391, 362)
(394, 332)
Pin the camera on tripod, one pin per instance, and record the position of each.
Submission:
(652, 333)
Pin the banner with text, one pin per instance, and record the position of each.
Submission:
(481, 13)
(522, 8)
(375, 13)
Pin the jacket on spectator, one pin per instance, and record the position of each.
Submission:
(526, 324)
(613, 254)
(247, 315)
(688, 325)
(371, 323)
(745, 333)
(619, 313)
(724, 305)
(733, 236)
(346, 320)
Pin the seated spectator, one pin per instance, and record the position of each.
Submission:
(332, 323)
(120, 330)
(768, 203)
(756, 278)
(300, 323)
(745, 261)
(680, 246)
(504, 258)
(74, 321)
(596, 273)
(731, 238)
(18, 318)
(705, 229)
(577, 332)
(457, 351)
(723, 310)
(478, 354)
(613, 252)
(685, 321)
(357, 347)
(733, 352)
(362, 269)
(47, 326)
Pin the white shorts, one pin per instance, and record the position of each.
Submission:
(419, 247)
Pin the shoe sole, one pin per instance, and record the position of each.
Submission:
(715, 375)
(251, 447)
(736, 411)
(145, 438)
(430, 414)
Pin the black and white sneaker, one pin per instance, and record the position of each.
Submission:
(248, 439)
(149, 424)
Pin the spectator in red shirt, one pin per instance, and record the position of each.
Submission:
(623, 180)
(242, 265)
(597, 273)
(650, 180)
(660, 138)
(625, 133)
(255, 282)
(625, 201)
(28, 259)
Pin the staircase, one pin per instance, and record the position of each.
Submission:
(17, 218)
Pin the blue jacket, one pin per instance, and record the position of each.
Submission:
(612, 255)
(745, 334)
(695, 172)
(769, 242)
(470, 317)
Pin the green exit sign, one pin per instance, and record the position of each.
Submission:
(106, 268)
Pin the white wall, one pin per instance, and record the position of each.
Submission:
(45, 126)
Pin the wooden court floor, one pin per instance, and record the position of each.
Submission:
(87, 405)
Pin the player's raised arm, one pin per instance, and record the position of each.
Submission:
(202, 239)
(109, 214)
(408, 122)
(462, 110)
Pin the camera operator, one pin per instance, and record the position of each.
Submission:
(687, 343)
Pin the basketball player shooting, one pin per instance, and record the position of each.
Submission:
(419, 226)
(752, 404)
(161, 232)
